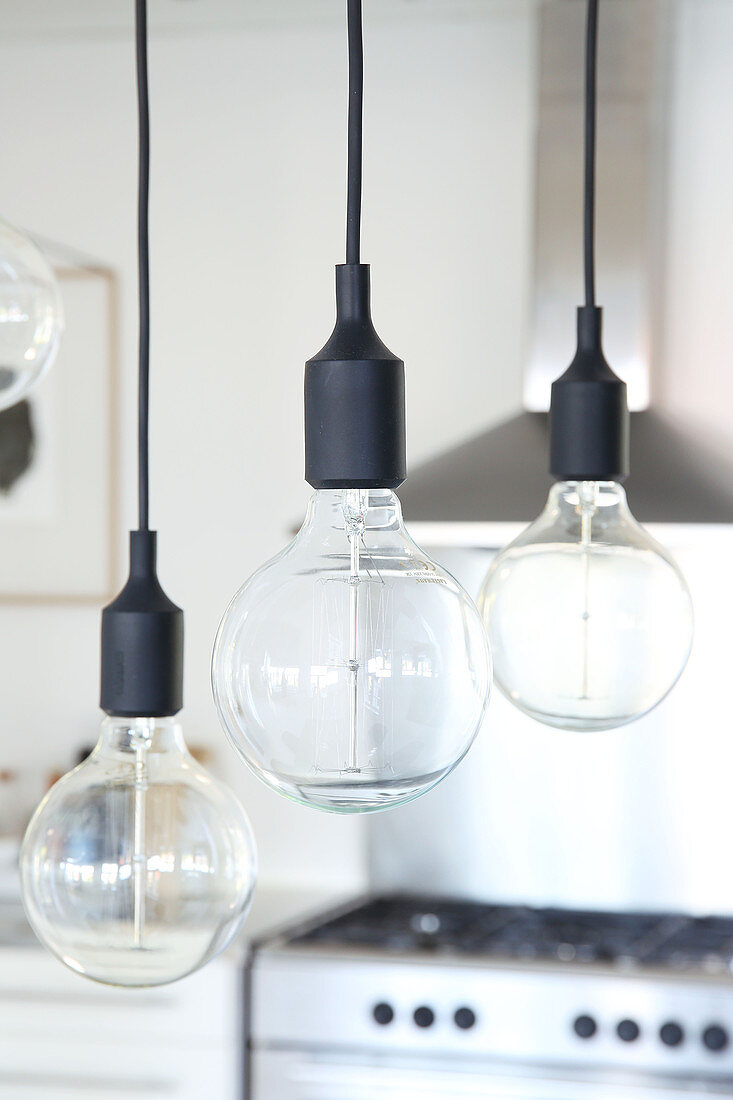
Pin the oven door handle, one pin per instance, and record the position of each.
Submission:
(298, 1076)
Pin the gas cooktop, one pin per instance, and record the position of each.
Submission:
(449, 927)
(492, 1001)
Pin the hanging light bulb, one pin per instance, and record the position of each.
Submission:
(351, 672)
(139, 867)
(589, 618)
(31, 318)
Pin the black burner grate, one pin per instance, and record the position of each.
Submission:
(399, 924)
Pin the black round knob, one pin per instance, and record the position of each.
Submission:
(585, 1027)
(715, 1037)
(671, 1034)
(383, 1013)
(465, 1018)
(628, 1031)
(423, 1016)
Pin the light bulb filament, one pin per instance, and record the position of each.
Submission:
(353, 662)
(588, 497)
(355, 503)
(141, 741)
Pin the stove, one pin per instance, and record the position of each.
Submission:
(408, 997)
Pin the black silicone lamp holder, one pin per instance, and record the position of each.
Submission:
(142, 642)
(354, 398)
(589, 415)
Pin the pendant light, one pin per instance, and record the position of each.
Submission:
(31, 318)
(351, 672)
(589, 619)
(138, 867)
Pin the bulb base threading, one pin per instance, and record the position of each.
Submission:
(142, 642)
(354, 398)
(589, 415)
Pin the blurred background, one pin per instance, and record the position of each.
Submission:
(471, 225)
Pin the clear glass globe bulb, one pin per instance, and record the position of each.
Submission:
(138, 867)
(31, 318)
(351, 672)
(589, 618)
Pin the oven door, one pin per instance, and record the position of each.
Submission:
(300, 1075)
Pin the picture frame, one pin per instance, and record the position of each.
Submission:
(58, 519)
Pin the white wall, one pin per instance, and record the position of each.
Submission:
(247, 223)
(696, 379)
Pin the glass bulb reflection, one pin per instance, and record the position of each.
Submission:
(589, 618)
(31, 319)
(351, 672)
(138, 867)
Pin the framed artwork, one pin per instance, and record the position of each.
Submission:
(58, 457)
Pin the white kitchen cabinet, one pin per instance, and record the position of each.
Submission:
(61, 1036)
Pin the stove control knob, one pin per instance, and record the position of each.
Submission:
(671, 1034)
(424, 1016)
(383, 1013)
(465, 1018)
(585, 1027)
(715, 1038)
(628, 1031)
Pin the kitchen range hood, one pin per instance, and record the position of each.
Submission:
(501, 476)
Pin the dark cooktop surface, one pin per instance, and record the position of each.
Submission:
(441, 926)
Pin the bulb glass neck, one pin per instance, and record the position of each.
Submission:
(126, 736)
(598, 508)
(370, 509)
(598, 494)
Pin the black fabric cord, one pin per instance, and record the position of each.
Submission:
(356, 101)
(141, 37)
(589, 202)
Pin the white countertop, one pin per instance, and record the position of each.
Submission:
(272, 908)
(275, 906)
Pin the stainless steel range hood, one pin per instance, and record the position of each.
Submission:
(500, 476)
